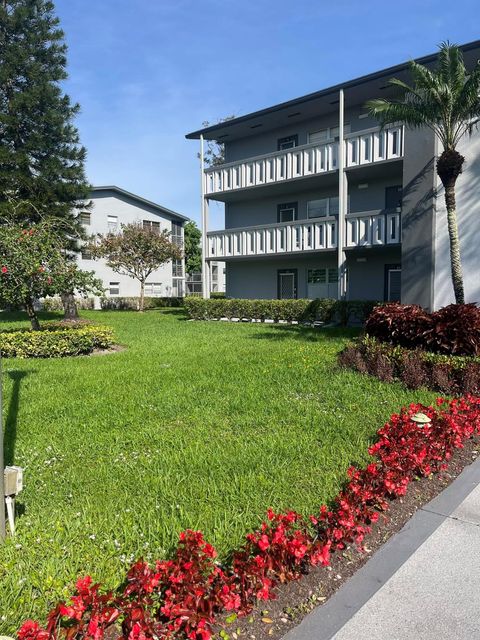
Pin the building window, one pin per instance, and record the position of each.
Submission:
(325, 135)
(153, 225)
(287, 212)
(153, 288)
(322, 207)
(325, 275)
(114, 288)
(112, 222)
(214, 272)
(86, 255)
(177, 288)
(177, 268)
(86, 218)
(177, 237)
(287, 143)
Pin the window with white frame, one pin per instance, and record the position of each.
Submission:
(177, 268)
(287, 212)
(324, 207)
(86, 218)
(86, 255)
(152, 225)
(153, 288)
(177, 237)
(112, 222)
(327, 134)
(114, 288)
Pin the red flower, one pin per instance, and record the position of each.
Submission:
(31, 630)
(263, 542)
(4, 269)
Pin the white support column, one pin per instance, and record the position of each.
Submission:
(341, 260)
(208, 280)
(203, 221)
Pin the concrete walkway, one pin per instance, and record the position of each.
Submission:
(423, 584)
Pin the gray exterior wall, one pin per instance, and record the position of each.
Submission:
(264, 210)
(366, 272)
(262, 143)
(468, 213)
(259, 278)
(418, 216)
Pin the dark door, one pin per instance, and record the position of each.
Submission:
(287, 284)
(393, 197)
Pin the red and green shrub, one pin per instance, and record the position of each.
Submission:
(182, 597)
(453, 330)
(451, 375)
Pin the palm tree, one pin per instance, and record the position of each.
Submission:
(447, 101)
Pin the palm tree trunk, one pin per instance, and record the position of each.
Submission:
(449, 167)
(455, 258)
(32, 315)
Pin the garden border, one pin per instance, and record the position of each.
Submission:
(194, 590)
(323, 622)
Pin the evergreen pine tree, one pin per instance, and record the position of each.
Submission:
(41, 159)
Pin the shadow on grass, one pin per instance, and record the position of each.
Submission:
(12, 415)
(21, 316)
(307, 334)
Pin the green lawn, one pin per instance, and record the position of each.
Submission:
(200, 425)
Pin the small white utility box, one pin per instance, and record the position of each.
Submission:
(13, 480)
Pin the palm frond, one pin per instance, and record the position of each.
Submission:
(446, 99)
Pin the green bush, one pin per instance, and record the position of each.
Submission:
(55, 340)
(323, 310)
(215, 295)
(55, 304)
(416, 368)
(131, 304)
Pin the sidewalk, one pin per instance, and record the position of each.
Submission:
(423, 584)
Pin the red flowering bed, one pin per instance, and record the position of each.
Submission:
(181, 597)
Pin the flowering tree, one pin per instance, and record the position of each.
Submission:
(136, 252)
(33, 264)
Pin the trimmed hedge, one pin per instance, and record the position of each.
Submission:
(453, 375)
(55, 304)
(302, 310)
(55, 340)
(131, 304)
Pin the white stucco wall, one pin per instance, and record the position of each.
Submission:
(109, 203)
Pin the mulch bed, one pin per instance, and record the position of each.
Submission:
(296, 599)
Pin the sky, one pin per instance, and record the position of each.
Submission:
(146, 72)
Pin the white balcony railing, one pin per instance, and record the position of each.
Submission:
(366, 147)
(368, 228)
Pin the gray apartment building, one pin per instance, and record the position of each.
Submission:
(322, 202)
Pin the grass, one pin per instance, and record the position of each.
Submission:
(200, 425)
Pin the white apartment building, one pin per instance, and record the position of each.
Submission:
(113, 207)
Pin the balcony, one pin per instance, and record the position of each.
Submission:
(365, 148)
(364, 229)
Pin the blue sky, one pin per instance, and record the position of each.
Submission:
(146, 72)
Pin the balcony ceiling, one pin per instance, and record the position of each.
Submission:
(322, 102)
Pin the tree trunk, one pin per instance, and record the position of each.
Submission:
(70, 311)
(141, 302)
(455, 257)
(32, 315)
(449, 167)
